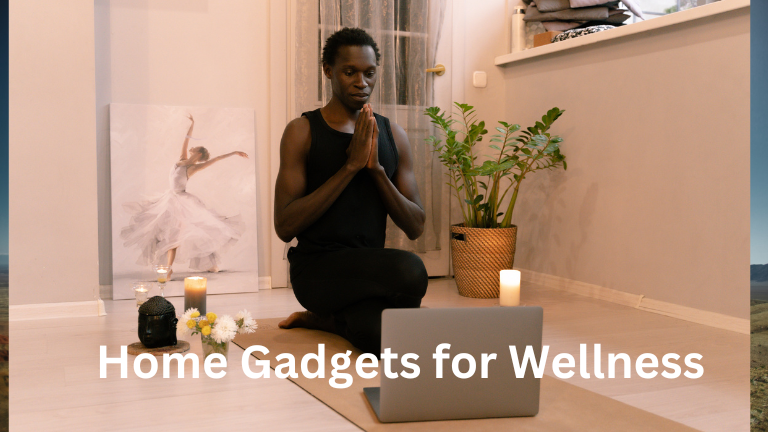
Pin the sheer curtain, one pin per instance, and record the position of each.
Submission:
(407, 33)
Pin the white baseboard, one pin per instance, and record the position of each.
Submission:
(583, 288)
(712, 319)
(56, 310)
(698, 316)
(265, 282)
(78, 309)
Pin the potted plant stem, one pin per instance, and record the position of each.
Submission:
(484, 243)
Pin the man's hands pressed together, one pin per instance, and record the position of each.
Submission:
(373, 159)
(364, 141)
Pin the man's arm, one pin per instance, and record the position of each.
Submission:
(294, 211)
(401, 195)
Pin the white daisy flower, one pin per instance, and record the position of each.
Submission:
(224, 329)
(181, 325)
(243, 314)
(245, 322)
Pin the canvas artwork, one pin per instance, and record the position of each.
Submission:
(184, 196)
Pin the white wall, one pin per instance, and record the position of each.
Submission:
(191, 52)
(52, 155)
(656, 197)
(484, 39)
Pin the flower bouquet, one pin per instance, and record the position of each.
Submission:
(215, 332)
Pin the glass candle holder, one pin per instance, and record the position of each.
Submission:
(161, 271)
(141, 291)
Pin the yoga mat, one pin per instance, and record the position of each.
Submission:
(562, 407)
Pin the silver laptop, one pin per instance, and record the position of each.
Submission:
(468, 330)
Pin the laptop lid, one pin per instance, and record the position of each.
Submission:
(470, 332)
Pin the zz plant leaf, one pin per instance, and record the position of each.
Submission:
(532, 150)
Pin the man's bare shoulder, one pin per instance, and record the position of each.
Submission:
(401, 138)
(298, 127)
(397, 129)
(297, 135)
(299, 123)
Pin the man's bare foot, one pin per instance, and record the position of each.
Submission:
(214, 269)
(308, 320)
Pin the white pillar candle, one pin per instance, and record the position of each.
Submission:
(194, 293)
(509, 288)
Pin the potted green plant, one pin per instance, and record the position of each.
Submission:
(483, 244)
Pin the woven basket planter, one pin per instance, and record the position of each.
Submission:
(478, 255)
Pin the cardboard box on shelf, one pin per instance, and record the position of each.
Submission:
(544, 38)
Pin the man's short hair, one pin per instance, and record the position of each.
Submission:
(347, 37)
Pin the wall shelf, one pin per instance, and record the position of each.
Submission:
(696, 13)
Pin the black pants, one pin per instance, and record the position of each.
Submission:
(355, 285)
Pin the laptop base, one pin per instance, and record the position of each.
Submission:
(373, 394)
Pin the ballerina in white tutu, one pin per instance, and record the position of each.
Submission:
(177, 224)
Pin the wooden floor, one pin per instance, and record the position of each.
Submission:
(56, 386)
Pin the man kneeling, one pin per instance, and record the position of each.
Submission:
(343, 169)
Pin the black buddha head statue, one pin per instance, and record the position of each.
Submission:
(157, 323)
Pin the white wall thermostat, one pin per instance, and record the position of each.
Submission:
(479, 79)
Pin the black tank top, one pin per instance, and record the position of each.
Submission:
(358, 217)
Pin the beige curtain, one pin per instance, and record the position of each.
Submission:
(407, 33)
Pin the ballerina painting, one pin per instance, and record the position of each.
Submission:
(199, 217)
(178, 224)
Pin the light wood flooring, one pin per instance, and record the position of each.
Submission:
(55, 382)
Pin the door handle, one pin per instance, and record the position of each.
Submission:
(439, 69)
